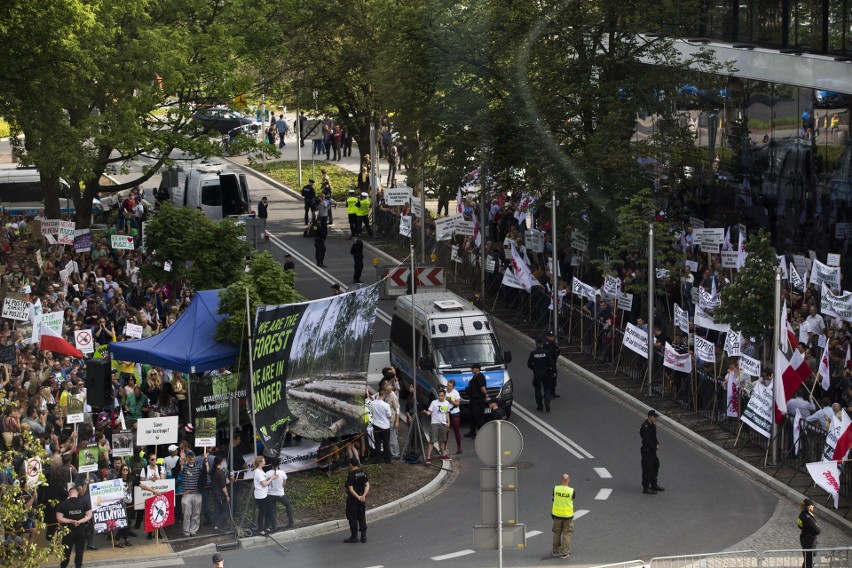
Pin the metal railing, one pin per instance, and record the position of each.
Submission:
(736, 559)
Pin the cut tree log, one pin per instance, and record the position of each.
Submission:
(330, 404)
(338, 387)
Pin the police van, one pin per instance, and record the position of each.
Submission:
(451, 335)
(21, 193)
(208, 186)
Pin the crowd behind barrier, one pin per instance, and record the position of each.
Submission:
(597, 330)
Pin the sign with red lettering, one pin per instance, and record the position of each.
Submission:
(160, 511)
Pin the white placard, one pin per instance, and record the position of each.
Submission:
(50, 227)
(579, 241)
(624, 301)
(841, 230)
(444, 227)
(702, 319)
(465, 228)
(416, 207)
(161, 486)
(133, 330)
(490, 265)
(16, 309)
(696, 223)
(677, 361)
(167, 266)
(833, 259)
(405, 225)
(121, 242)
(749, 366)
(636, 340)
(157, 431)
(534, 240)
(729, 259)
(84, 341)
(759, 412)
(395, 196)
(53, 320)
(66, 232)
(800, 264)
(691, 264)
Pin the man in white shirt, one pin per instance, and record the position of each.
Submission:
(439, 410)
(815, 322)
(276, 495)
(382, 414)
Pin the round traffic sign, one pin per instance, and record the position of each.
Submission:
(511, 443)
(158, 513)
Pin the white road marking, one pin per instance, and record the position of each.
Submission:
(453, 555)
(552, 433)
(603, 473)
(533, 533)
(603, 494)
(545, 428)
(379, 566)
(580, 513)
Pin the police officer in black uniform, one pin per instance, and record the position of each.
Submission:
(551, 345)
(541, 363)
(650, 461)
(476, 395)
(494, 410)
(75, 513)
(357, 487)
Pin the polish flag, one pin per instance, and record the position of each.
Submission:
(792, 375)
(788, 339)
(49, 340)
(824, 370)
(459, 203)
(522, 271)
(848, 363)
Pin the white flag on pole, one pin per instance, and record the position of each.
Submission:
(827, 476)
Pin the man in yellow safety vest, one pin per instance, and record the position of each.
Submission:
(364, 213)
(352, 213)
(562, 513)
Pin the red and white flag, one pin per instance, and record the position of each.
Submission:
(726, 245)
(838, 439)
(741, 253)
(797, 432)
(522, 271)
(459, 203)
(824, 371)
(788, 336)
(50, 340)
(848, 363)
(827, 476)
(788, 378)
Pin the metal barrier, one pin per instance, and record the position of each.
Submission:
(840, 557)
(736, 559)
(628, 564)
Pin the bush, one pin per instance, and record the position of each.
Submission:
(5, 129)
(288, 174)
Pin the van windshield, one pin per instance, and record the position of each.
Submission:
(462, 352)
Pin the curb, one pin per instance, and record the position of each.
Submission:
(442, 480)
(688, 435)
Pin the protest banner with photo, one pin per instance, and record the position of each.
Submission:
(108, 512)
(87, 458)
(122, 443)
(636, 340)
(121, 242)
(703, 319)
(205, 432)
(16, 307)
(75, 409)
(82, 240)
(677, 361)
(624, 301)
(705, 351)
(836, 305)
(758, 412)
(395, 196)
(822, 274)
(157, 431)
(749, 366)
(211, 393)
(66, 233)
(159, 511)
(141, 495)
(310, 366)
(405, 225)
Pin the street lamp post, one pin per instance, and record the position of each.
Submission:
(316, 112)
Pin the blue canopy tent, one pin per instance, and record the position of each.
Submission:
(189, 345)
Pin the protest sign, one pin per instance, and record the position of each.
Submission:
(677, 361)
(75, 409)
(141, 495)
(826, 475)
(416, 207)
(50, 228)
(696, 222)
(87, 458)
(636, 340)
(822, 274)
(612, 285)
(579, 241)
(84, 341)
(444, 227)
(490, 265)
(157, 431)
(159, 511)
(758, 412)
(299, 458)
(681, 318)
(836, 305)
(395, 196)
(16, 308)
(534, 240)
(205, 432)
(121, 242)
(122, 443)
(583, 290)
(702, 319)
(624, 301)
(33, 466)
(749, 365)
(9, 354)
(833, 259)
(841, 230)
(405, 225)
(132, 330)
(733, 340)
(82, 240)
(800, 264)
(705, 351)
(108, 512)
(463, 227)
(66, 233)
(691, 265)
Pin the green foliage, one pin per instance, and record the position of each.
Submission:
(312, 489)
(288, 174)
(5, 129)
(204, 253)
(268, 284)
(748, 303)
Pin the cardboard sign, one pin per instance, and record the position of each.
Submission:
(579, 241)
(16, 309)
(66, 232)
(833, 259)
(416, 207)
(108, 510)
(121, 242)
(82, 240)
(133, 330)
(395, 196)
(84, 341)
(141, 495)
(87, 458)
(205, 432)
(157, 431)
(729, 259)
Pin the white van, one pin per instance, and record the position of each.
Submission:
(451, 335)
(21, 193)
(209, 186)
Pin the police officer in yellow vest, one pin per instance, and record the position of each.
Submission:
(563, 517)
(352, 213)
(364, 213)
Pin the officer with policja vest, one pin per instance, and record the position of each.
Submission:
(364, 213)
(562, 513)
(352, 212)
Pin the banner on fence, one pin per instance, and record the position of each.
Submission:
(703, 319)
(677, 361)
(681, 318)
(749, 366)
(636, 340)
(705, 350)
(822, 274)
(836, 305)
(758, 412)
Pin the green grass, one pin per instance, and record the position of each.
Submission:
(311, 489)
(288, 174)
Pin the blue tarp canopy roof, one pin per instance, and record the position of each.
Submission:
(189, 345)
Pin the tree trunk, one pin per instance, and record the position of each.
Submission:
(50, 189)
(364, 140)
(83, 203)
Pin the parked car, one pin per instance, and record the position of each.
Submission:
(831, 99)
(223, 120)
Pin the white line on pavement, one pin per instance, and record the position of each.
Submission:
(603, 494)
(603, 473)
(581, 513)
(379, 566)
(552, 433)
(453, 555)
(532, 534)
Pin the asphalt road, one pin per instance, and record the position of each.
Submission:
(706, 506)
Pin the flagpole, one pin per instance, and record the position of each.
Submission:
(776, 341)
(251, 376)
(650, 307)
(555, 272)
